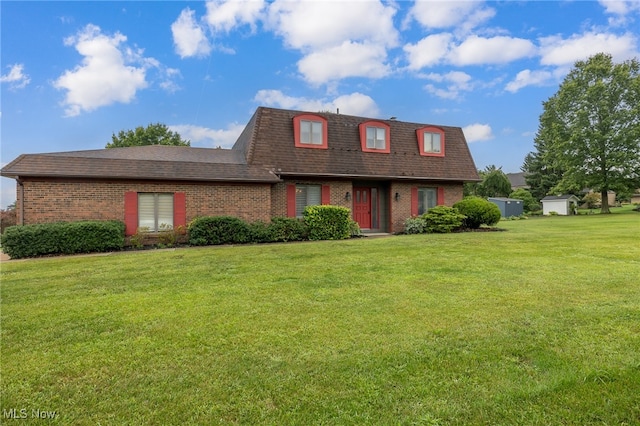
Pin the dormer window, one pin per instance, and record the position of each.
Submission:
(310, 131)
(375, 136)
(431, 141)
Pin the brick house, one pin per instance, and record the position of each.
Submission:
(383, 170)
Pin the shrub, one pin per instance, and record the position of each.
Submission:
(442, 219)
(138, 239)
(7, 219)
(355, 230)
(259, 232)
(328, 222)
(63, 238)
(478, 211)
(529, 204)
(283, 229)
(415, 225)
(168, 235)
(213, 230)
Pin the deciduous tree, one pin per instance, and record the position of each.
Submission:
(590, 129)
(153, 134)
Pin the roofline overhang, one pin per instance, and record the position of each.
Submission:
(377, 177)
(18, 176)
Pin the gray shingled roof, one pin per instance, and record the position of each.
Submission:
(265, 151)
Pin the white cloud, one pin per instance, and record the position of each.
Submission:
(620, 9)
(477, 50)
(203, 136)
(429, 51)
(353, 104)
(314, 25)
(346, 60)
(189, 37)
(225, 15)
(456, 82)
(104, 76)
(560, 52)
(530, 78)
(477, 132)
(16, 77)
(464, 15)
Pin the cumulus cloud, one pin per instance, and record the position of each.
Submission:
(346, 60)
(455, 82)
(189, 37)
(321, 24)
(474, 50)
(16, 77)
(206, 137)
(104, 76)
(352, 104)
(477, 132)
(464, 15)
(224, 15)
(565, 52)
(529, 78)
(620, 9)
(477, 50)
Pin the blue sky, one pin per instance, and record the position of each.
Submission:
(74, 73)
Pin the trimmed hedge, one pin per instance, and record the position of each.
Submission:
(442, 220)
(478, 211)
(214, 230)
(63, 238)
(328, 222)
(283, 229)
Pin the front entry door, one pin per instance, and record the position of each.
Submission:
(362, 207)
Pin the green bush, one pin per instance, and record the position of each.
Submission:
(283, 229)
(214, 230)
(478, 211)
(442, 219)
(354, 229)
(63, 238)
(328, 222)
(529, 204)
(259, 232)
(415, 225)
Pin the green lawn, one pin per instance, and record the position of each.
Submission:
(536, 325)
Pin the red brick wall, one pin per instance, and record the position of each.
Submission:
(401, 209)
(53, 201)
(338, 194)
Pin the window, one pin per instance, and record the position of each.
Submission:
(310, 131)
(431, 141)
(307, 195)
(375, 137)
(427, 198)
(155, 211)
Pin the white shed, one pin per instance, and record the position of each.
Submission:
(560, 204)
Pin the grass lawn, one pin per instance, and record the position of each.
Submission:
(536, 325)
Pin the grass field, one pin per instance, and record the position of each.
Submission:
(538, 325)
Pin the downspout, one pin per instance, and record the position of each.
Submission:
(20, 195)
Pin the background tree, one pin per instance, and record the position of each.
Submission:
(529, 204)
(590, 129)
(494, 184)
(153, 134)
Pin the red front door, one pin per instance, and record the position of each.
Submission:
(362, 207)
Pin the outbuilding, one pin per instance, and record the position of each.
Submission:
(563, 205)
(508, 206)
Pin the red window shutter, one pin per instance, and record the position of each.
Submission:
(130, 212)
(326, 194)
(440, 196)
(414, 201)
(179, 209)
(291, 201)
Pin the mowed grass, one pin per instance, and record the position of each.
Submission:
(536, 325)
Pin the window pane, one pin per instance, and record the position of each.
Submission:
(146, 211)
(165, 211)
(436, 142)
(371, 137)
(316, 133)
(380, 138)
(307, 195)
(427, 198)
(311, 132)
(376, 138)
(432, 142)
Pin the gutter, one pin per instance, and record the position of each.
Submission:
(377, 177)
(20, 196)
